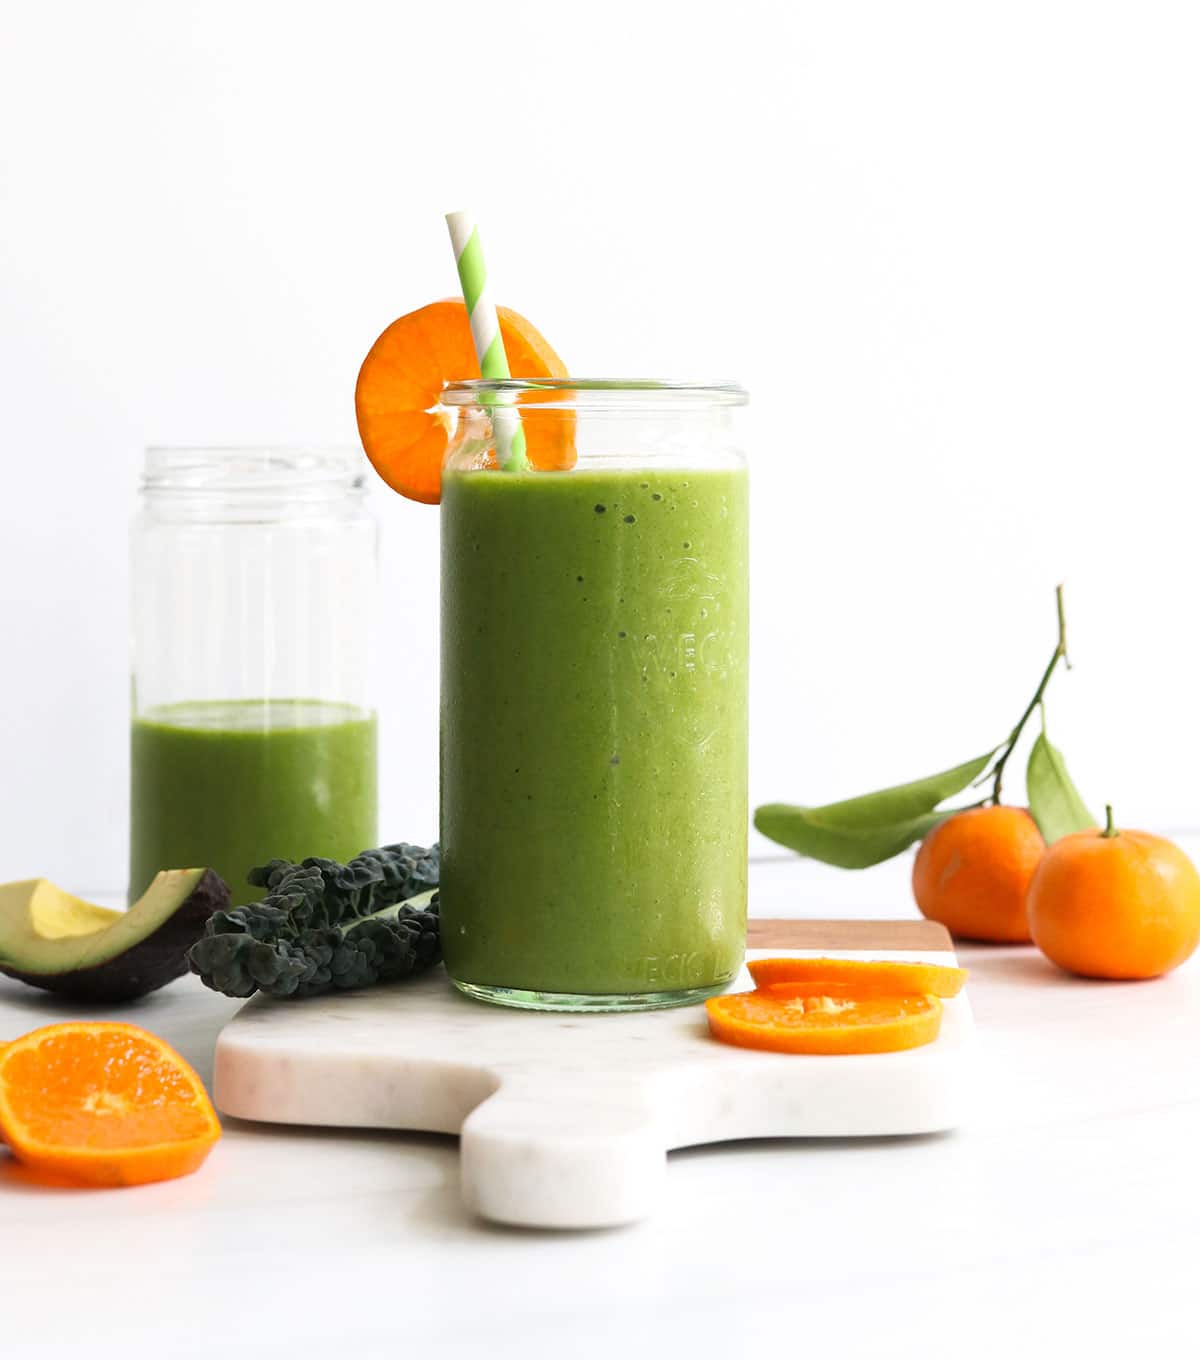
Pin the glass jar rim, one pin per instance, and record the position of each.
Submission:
(601, 393)
(269, 469)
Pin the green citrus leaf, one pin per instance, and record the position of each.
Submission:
(1054, 801)
(859, 832)
(803, 830)
(901, 802)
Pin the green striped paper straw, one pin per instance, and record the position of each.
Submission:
(485, 332)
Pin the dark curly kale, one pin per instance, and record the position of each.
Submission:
(323, 926)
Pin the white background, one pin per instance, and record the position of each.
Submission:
(950, 248)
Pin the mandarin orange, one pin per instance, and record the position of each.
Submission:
(973, 870)
(1115, 904)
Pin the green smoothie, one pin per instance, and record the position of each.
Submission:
(238, 783)
(593, 799)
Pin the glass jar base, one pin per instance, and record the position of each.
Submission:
(589, 1001)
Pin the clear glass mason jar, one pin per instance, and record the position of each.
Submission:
(593, 694)
(253, 734)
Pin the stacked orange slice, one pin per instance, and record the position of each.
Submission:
(835, 1006)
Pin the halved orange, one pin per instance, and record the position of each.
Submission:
(401, 380)
(102, 1103)
(875, 977)
(826, 1018)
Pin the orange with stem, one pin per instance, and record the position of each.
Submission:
(1115, 904)
(973, 870)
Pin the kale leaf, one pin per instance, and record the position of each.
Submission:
(324, 926)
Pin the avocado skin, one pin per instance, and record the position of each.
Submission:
(155, 960)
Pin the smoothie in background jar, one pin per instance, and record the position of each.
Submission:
(253, 734)
(239, 783)
(594, 650)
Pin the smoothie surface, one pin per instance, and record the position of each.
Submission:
(231, 784)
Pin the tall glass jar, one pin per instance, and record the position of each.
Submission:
(593, 709)
(253, 735)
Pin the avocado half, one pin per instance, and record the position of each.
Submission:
(53, 940)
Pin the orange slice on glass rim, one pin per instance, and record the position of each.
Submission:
(829, 1018)
(403, 429)
(876, 977)
(103, 1103)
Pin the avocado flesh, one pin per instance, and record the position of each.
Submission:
(52, 940)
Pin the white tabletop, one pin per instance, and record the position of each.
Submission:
(1065, 1217)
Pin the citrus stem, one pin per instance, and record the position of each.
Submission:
(1060, 654)
(1109, 829)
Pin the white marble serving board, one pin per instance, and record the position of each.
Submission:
(566, 1120)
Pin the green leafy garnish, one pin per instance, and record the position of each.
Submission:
(324, 926)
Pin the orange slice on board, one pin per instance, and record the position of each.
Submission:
(400, 384)
(829, 1018)
(102, 1103)
(877, 977)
